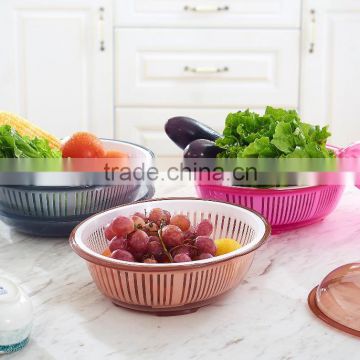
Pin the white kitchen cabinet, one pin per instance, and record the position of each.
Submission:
(56, 63)
(330, 67)
(205, 13)
(182, 68)
(202, 59)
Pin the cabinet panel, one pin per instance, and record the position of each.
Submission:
(331, 73)
(240, 68)
(55, 71)
(201, 13)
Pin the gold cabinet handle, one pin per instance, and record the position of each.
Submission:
(206, 8)
(312, 31)
(102, 28)
(206, 69)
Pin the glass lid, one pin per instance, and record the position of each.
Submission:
(337, 299)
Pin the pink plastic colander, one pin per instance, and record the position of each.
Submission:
(172, 288)
(284, 209)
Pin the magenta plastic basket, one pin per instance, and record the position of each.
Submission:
(284, 209)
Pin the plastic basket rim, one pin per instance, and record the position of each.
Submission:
(270, 191)
(101, 260)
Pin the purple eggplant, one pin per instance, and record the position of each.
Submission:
(201, 148)
(183, 130)
(200, 153)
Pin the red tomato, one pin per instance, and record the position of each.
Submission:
(117, 158)
(115, 154)
(83, 145)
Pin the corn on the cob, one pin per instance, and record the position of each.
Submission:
(26, 128)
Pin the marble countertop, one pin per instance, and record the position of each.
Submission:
(266, 317)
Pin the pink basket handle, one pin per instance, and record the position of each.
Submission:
(334, 148)
(351, 151)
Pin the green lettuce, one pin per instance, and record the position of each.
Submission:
(13, 145)
(278, 133)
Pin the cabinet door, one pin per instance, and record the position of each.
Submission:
(202, 13)
(55, 63)
(330, 67)
(183, 68)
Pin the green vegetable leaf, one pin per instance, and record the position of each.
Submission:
(283, 137)
(12, 145)
(260, 148)
(277, 133)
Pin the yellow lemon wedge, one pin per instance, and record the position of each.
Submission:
(225, 246)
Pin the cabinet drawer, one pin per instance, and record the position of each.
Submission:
(146, 126)
(202, 13)
(237, 68)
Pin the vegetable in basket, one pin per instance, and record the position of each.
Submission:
(13, 145)
(19, 138)
(278, 133)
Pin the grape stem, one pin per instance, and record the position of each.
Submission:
(167, 253)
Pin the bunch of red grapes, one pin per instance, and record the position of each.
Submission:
(159, 238)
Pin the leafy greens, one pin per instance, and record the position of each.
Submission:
(278, 133)
(13, 145)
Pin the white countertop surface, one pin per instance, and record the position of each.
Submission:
(266, 317)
